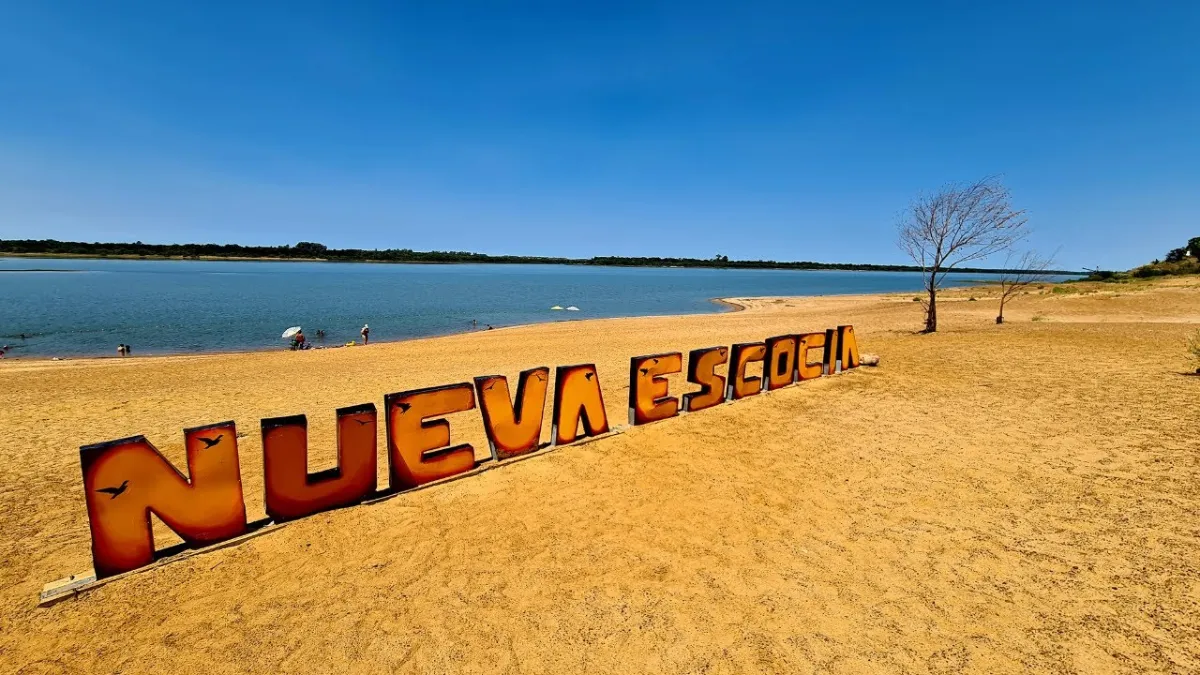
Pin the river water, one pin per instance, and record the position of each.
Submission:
(76, 307)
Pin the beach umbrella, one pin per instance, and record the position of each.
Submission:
(572, 308)
(291, 331)
(556, 307)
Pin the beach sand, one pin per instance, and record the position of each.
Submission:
(991, 498)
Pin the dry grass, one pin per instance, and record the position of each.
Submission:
(992, 498)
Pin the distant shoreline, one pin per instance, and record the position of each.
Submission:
(130, 256)
(39, 269)
(313, 252)
(850, 267)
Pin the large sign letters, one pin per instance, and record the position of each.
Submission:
(128, 480)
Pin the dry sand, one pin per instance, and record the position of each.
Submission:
(991, 499)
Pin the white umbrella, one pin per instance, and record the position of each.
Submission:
(556, 307)
(291, 331)
(572, 308)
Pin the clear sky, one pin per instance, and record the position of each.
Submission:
(783, 130)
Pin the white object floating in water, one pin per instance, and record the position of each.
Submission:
(556, 307)
(572, 308)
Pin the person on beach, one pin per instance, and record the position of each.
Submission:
(366, 333)
(121, 349)
(128, 350)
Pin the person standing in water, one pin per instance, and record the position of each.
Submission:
(366, 333)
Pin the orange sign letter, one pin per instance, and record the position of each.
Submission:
(847, 347)
(702, 364)
(744, 354)
(831, 351)
(127, 480)
(417, 449)
(648, 400)
(513, 428)
(804, 369)
(291, 491)
(781, 361)
(577, 398)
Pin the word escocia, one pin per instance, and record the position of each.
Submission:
(128, 480)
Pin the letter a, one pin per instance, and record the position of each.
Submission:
(577, 398)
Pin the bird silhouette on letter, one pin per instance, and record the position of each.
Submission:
(115, 492)
(209, 442)
(588, 375)
(404, 406)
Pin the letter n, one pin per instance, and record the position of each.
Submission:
(127, 480)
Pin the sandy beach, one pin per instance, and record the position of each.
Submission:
(1016, 498)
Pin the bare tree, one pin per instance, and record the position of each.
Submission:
(1020, 272)
(957, 224)
(1193, 347)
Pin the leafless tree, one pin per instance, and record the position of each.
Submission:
(957, 224)
(1193, 347)
(1020, 272)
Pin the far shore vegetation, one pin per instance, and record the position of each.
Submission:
(310, 251)
(1182, 260)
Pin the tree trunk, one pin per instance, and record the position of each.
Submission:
(1000, 318)
(931, 312)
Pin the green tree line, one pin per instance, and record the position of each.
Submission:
(1182, 260)
(307, 250)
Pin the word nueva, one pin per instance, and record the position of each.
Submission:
(127, 480)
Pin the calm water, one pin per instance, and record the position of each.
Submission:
(86, 307)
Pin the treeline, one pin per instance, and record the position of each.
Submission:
(306, 250)
(1182, 260)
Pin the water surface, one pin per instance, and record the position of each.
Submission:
(73, 307)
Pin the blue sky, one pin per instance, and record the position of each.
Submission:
(781, 130)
